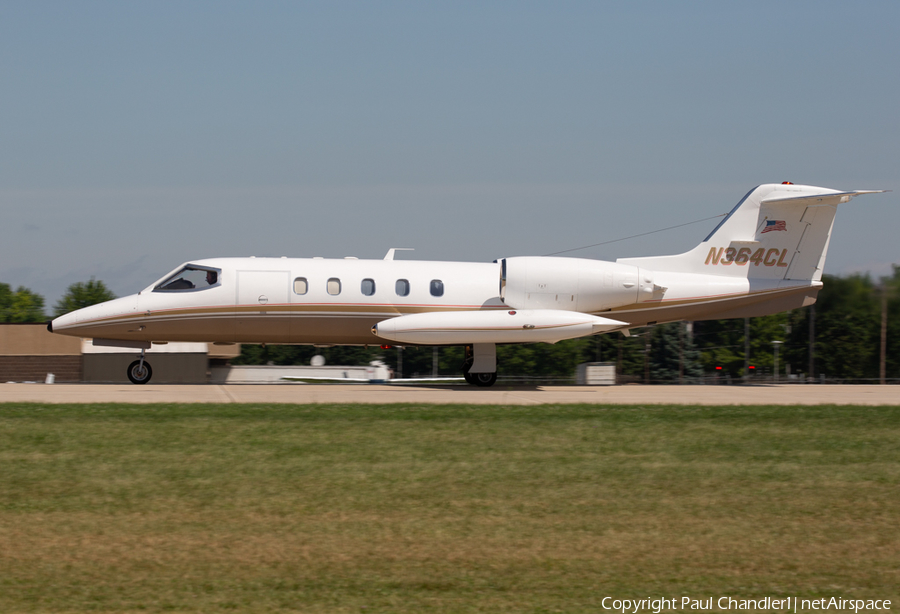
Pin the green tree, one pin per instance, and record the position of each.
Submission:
(892, 285)
(763, 331)
(630, 353)
(6, 295)
(673, 354)
(23, 305)
(721, 344)
(545, 359)
(82, 294)
(849, 329)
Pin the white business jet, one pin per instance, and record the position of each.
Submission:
(766, 256)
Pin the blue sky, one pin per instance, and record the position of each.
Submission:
(136, 136)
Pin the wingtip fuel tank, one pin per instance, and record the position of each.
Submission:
(494, 326)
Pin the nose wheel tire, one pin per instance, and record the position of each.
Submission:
(139, 374)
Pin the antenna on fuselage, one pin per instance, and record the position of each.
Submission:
(390, 254)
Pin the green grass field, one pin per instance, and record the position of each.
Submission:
(205, 508)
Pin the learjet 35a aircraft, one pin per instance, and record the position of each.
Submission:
(765, 257)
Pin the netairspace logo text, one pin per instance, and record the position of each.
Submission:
(787, 604)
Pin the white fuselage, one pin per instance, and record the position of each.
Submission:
(339, 301)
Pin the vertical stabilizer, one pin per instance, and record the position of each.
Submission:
(776, 232)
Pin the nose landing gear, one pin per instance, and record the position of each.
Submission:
(139, 372)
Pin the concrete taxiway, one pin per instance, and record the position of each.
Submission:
(498, 395)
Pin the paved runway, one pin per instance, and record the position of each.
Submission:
(499, 395)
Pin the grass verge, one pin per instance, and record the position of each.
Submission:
(343, 508)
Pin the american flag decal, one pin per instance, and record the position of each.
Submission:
(774, 225)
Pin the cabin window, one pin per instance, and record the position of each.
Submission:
(402, 287)
(334, 286)
(437, 287)
(301, 285)
(190, 277)
(368, 287)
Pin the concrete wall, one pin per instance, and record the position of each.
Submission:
(35, 340)
(28, 352)
(167, 368)
(66, 369)
(172, 363)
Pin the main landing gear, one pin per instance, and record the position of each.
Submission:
(480, 365)
(139, 372)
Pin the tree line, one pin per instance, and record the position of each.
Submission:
(839, 338)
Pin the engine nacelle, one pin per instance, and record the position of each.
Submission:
(574, 284)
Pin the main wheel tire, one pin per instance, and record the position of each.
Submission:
(138, 374)
(484, 380)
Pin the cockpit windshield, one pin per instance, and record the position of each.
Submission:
(190, 277)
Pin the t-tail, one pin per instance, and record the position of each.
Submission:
(766, 256)
(776, 232)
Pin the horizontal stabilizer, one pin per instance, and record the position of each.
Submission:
(833, 198)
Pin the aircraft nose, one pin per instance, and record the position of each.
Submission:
(61, 322)
(73, 322)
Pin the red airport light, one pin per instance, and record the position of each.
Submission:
(386, 347)
(718, 368)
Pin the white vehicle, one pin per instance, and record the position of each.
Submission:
(766, 256)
